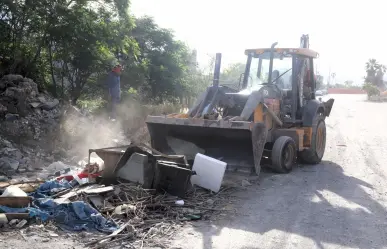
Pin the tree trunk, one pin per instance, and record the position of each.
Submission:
(62, 86)
(52, 69)
(37, 54)
(76, 93)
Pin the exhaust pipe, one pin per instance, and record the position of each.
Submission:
(218, 61)
(271, 61)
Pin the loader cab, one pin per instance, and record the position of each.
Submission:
(258, 72)
(287, 72)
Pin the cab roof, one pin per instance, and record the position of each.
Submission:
(299, 51)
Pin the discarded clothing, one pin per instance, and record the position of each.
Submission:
(75, 216)
(32, 212)
(51, 187)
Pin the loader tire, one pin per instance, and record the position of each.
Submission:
(315, 153)
(284, 154)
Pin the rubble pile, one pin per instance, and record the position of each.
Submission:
(29, 124)
(12, 159)
(27, 112)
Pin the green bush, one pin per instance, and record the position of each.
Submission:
(371, 89)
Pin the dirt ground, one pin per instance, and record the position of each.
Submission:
(340, 203)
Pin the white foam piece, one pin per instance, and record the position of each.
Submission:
(209, 172)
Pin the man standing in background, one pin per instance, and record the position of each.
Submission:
(114, 87)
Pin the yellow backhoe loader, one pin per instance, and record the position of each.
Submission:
(271, 118)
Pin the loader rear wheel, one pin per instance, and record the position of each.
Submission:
(317, 149)
(284, 154)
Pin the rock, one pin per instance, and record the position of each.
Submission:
(3, 109)
(3, 179)
(5, 143)
(210, 202)
(57, 166)
(35, 104)
(32, 169)
(17, 155)
(14, 93)
(246, 183)
(12, 78)
(22, 170)
(49, 105)
(7, 151)
(24, 160)
(21, 224)
(11, 116)
(53, 234)
(42, 99)
(13, 222)
(8, 163)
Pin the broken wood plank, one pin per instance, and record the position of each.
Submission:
(99, 190)
(15, 202)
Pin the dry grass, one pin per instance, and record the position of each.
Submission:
(151, 218)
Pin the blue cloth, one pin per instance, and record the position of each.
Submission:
(74, 216)
(32, 212)
(114, 85)
(50, 187)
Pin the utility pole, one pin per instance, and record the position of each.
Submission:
(329, 77)
(333, 78)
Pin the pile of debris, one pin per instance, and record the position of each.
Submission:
(13, 160)
(30, 127)
(135, 194)
(28, 113)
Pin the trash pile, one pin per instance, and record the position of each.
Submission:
(134, 194)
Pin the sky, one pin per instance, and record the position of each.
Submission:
(345, 33)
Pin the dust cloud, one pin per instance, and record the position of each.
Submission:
(81, 132)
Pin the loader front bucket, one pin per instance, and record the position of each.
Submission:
(239, 144)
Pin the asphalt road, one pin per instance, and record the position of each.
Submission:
(340, 203)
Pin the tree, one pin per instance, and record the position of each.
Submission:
(231, 75)
(72, 44)
(348, 83)
(39, 35)
(375, 72)
(319, 81)
(165, 63)
(380, 71)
